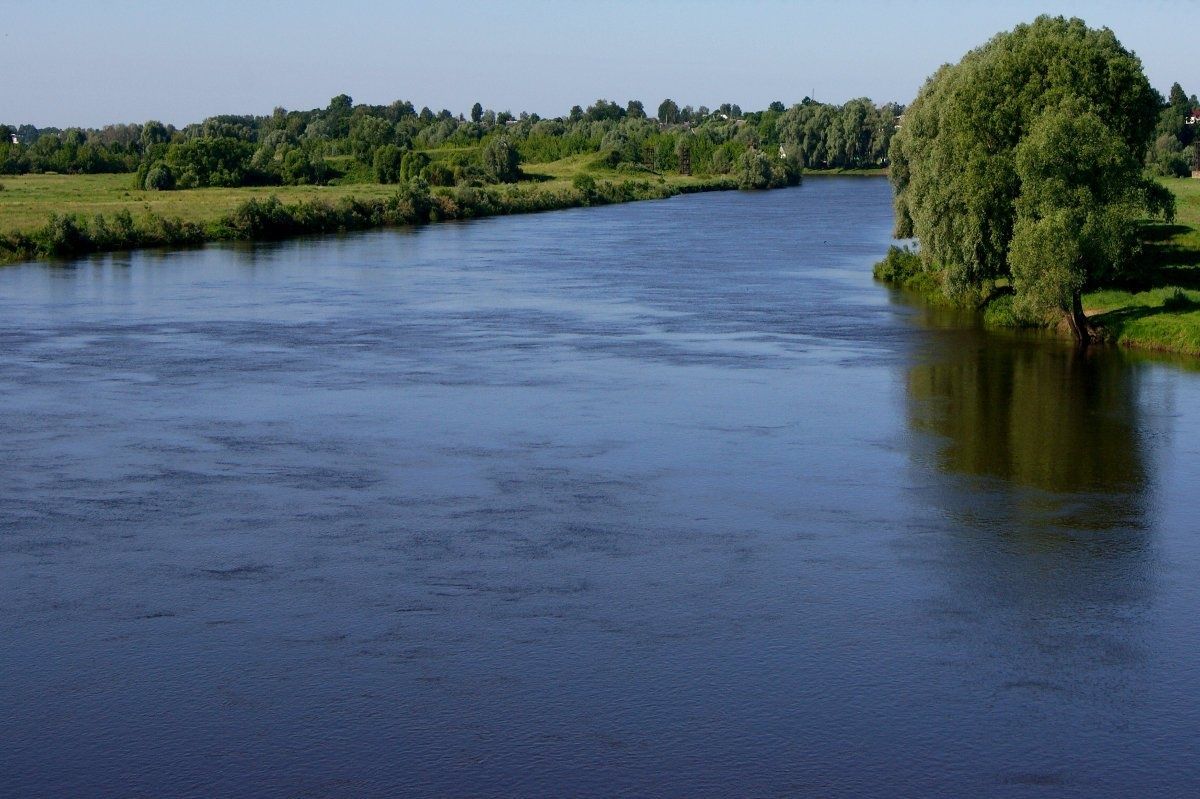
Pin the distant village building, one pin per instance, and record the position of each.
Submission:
(1194, 117)
(14, 138)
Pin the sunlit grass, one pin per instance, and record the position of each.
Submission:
(1167, 316)
(27, 201)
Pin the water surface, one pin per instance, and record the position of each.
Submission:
(660, 499)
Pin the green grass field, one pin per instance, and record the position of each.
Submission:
(1165, 316)
(28, 200)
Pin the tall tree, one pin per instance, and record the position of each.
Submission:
(1081, 191)
(955, 170)
(1178, 98)
(668, 112)
(501, 161)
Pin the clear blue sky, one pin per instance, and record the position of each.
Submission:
(89, 63)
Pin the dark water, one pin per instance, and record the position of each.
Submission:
(663, 499)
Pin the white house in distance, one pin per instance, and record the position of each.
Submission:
(14, 138)
(1194, 117)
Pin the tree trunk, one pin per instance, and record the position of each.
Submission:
(1078, 321)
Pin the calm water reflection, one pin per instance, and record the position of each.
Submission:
(1059, 432)
(666, 499)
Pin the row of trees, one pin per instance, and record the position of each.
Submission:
(392, 143)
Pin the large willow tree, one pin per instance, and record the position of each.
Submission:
(1023, 162)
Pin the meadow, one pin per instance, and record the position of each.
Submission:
(27, 201)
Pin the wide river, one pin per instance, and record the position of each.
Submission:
(660, 499)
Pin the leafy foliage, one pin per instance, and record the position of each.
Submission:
(501, 160)
(344, 142)
(387, 162)
(159, 178)
(1022, 162)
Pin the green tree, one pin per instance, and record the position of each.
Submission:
(159, 178)
(501, 160)
(368, 133)
(477, 113)
(411, 165)
(1178, 99)
(1167, 157)
(955, 165)
(303, 166)
(438, 175)
(1082, 192)
(153, 133)
(387, 163)
(212, 162)
(337, 115)
(754, 170)
(668, 112)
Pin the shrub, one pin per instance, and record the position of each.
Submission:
(900, 265)
(159, 178)
(387, 163)
(63, 235)
(721, 162)
(438, 175)
(1178, 301)
(411, 166)
(585, 185)
(443, 207)
(300, 167)
(754, 170)
(261, 219)
(501, 160)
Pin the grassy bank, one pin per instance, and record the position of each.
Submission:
(881, 172)
(1159, 310)
(1164, 312)
(60, 215)
(27, 201)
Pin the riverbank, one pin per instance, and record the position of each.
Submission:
(45, 216)
(1163, 312)
(1159, 311)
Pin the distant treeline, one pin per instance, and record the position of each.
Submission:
(394, 143)
(1175, 151)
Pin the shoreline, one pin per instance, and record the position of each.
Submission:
(1157, 311)
(97, 213)
(262, 215)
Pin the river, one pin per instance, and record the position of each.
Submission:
(659, 499)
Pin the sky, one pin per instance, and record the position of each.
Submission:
(73, 63)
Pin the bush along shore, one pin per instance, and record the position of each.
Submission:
(68, 235)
